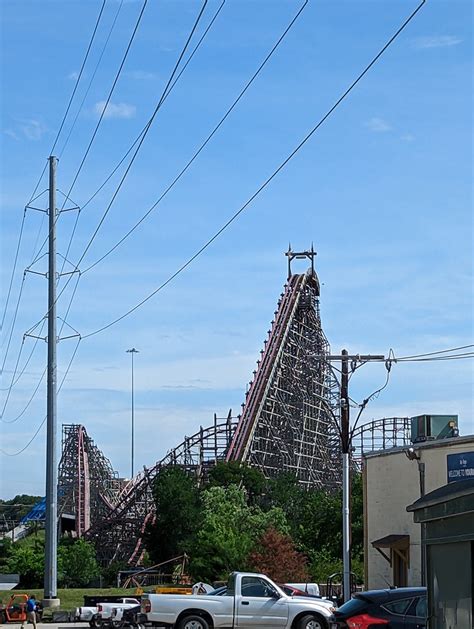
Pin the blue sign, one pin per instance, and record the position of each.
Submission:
(460, 466)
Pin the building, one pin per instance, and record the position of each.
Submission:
(394, 479)
(447, 515)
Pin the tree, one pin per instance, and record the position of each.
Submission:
(28, 562)
(227, 473)
(275, 555)
(178, 515)
(229, 530)
(77, 563)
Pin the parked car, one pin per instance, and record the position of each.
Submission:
(400, 608)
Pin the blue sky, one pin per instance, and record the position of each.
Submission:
(383, 190)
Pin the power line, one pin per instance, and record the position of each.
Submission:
(111, 91)
(142, 135)
(92, 78)
(204, 144)
(440, 351)
(13, 382)
(119, 71)
(73, 93)
(44, 420)
(13, 323)
(13, 270)
(267, 181)
(137, 139)
(142, 139)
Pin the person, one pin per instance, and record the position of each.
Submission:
(30, 611)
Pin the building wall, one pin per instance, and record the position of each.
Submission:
(391, 483)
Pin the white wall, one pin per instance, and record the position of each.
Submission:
(391, 484)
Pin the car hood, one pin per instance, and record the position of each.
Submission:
(321, 602)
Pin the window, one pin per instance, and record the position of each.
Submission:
(418, 608)
(355, 605)
(254, 586)
(398, 607)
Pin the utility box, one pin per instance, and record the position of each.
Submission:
(428, 427)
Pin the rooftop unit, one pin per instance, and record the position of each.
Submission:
(429, 427)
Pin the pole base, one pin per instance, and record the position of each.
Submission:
(51, 603)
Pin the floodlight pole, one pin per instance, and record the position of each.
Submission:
(346, 448)
(132, 464)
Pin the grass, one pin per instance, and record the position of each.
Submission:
(70, 598)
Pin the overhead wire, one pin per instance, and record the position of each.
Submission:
(142, 135)
(164, 95)
(102, 114)
(137, 139)
(204, 144)
(267, 181)
(92, 78)
(12, 454)
(142, 139)
(35, 391)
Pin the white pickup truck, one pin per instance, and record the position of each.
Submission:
(105, 611)
(89, 613)
(250, 600)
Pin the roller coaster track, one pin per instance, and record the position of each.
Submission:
(286, 425)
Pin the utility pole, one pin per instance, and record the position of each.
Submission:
(346, 445)
(51, 525)
(132, 468)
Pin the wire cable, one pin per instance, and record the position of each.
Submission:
(111, 91)
(204, 144)
(35, 391)
(142, 139)
(27, 445)
(92, 78)
(145, 131)
(99, 122)
(267, 181)
(137, 139)
(441, 351)
(73, 94)
(15, 315)
(13, 270)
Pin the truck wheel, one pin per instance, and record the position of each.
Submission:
(193, 622)
(95, 623)
(309, 621)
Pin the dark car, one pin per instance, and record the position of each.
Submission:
(400, 608)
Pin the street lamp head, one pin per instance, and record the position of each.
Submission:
(412, 455)
(132, 351)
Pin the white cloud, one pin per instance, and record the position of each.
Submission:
(115, 110)
(436, 41)
(11, 133)
(28, 128)
(378, 125)
(141, 75)
(73, 76)
(407, 137)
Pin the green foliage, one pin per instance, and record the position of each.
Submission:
(219, 524)
(77, 564)
(229, 530)
(249, 478)
(28, 562)
(178, 513)
(17, 507)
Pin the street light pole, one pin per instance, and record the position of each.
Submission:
(132, 467)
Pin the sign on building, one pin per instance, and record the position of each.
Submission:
(460, 466)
